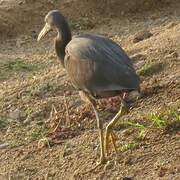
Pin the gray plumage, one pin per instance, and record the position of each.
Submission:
(95, 63)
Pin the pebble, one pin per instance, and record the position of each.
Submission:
(142, 35)
(127, 178)
(3, 146)
(16, 114)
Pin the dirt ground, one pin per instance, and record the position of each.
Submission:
(36, 142)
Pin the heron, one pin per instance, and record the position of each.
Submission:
(97, 67)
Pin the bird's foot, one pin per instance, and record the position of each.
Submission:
(102, 162)
(110, 137)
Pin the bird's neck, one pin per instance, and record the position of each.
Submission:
(63, 38)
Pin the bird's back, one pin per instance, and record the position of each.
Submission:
(95, 63)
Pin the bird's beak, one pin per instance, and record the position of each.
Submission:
(44, 31)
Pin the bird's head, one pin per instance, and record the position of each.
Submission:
(52, 21)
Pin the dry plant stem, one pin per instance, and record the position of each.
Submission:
(53, 117)
(67, 111)
(59, 122)
(52, 113)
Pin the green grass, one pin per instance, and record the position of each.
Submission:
(166, 118)
(42, 89)
(150, 68)
(10, 67)
(158, 120)
(39, 133)
(3, 122)
(140, 127)
(130, 146)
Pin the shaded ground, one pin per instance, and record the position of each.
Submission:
(32, 83)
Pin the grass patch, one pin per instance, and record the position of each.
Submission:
(150, 68)
(38, 133)
(18, 65)
(130, 146)
(44, 89)
(166, 118)
(140, 127)
(9, 67)
(158, 120)
(3, 122)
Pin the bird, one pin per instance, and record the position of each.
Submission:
(97, 67)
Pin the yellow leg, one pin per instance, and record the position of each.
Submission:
(87, 98)
(109, 133)
(101, 137)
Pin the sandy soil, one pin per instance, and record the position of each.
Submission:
(32, 82)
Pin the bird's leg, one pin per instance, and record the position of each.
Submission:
(100, 128)
(109, 134)
(87, 98)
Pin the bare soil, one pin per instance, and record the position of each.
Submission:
(33, 86)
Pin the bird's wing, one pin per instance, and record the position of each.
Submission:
(95, 63)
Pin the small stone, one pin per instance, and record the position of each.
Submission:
(3, 146)
(16, 114)
(142, 35)
(40, 123)
(127, 178)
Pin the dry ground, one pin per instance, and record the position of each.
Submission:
(32, 83)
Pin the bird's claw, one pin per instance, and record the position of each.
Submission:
(110, 136)
(102, 162)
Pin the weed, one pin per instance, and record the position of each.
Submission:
(173, 123)
(157, 119)
(130, 146)
(18, 65)
(150, 68)
(175, 114)
(29, 111)
(9, 67)
(43, 89)
(3, 122)
(138, 126)
(38, 133)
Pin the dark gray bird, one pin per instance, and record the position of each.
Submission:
(97, 67)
